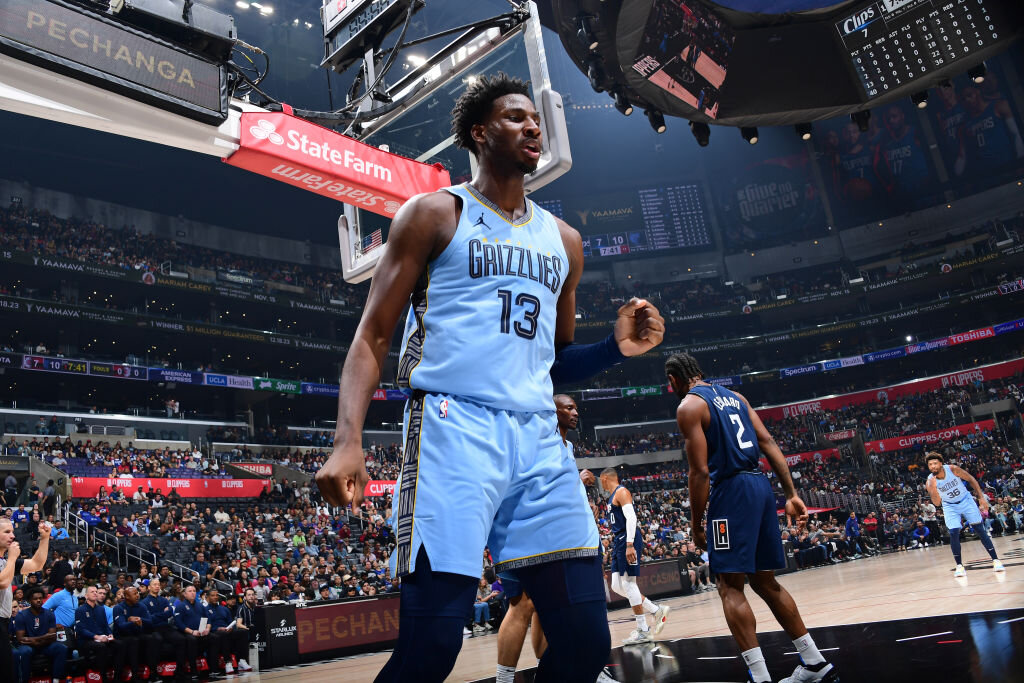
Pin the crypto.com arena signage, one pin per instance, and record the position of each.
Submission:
(292, 150)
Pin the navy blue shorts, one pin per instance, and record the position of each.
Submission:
(743, 526)
(510, 585)
(619, 563)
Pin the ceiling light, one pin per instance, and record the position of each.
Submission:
(803, 130)
(655, 118)
(749, 134)
(861, 118)
(920, 99)
(977, 73)
(622, 104)
(701, 131)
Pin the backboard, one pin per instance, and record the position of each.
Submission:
(421, 130)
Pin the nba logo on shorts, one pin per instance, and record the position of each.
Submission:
(720, 528)
(443, 408)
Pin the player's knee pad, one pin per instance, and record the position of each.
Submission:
(632, 593)
(617, 584)
(578, 643)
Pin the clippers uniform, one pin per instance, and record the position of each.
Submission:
(956, 500)
(742, 522)
(484, 462)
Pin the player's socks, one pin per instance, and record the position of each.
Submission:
(807, 650)
(506, 674)
(641, 622)
(649, 606)
(755, 664)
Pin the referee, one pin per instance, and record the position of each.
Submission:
(11, 565)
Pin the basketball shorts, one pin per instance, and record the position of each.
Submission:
(743, 526)
(966, 508)
(619, 563)
(510, 585)
(474, 476)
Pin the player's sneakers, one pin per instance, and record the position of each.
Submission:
(818, 673)
(244, 665)
(660, 617)
(960, 572)
(637, 637)
(605, 676)
(997, 566)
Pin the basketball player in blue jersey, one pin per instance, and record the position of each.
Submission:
(900, 161)
(627, 547)
(521, 614)
(725, 440)
(488, 280)
(949, 115)
(856, 174)
(947, 486)
(988, 135)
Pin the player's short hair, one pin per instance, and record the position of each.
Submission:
(476, 102)
(610, 472)
(932, 455)
(30, 591)
(683, 367)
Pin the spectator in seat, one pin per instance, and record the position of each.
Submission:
(96, 639)
(200, 567)
(187, 614)
(224, 628)
(133, 625)
(59, 533)
(920, 536)
(64, 603)
(700, 576)
(35, 629)
(481, 608)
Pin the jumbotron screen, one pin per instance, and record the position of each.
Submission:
(645, 220)
(893, 42)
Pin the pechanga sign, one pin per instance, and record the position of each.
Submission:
(101, 51)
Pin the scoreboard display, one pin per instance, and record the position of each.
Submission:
(893, 42)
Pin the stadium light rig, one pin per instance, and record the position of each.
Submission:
(977, 73)
(701, 131)
(622, 104)
(585, 31)
(655, 118)
(803, 130)
(920, 99)
(861, 118)
(749, 134)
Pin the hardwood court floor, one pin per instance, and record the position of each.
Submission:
(912, 584)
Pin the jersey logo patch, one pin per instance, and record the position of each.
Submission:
(443, 408)
(720, 528)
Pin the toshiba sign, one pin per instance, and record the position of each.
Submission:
(297, 152)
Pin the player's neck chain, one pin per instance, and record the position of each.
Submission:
(510, 217)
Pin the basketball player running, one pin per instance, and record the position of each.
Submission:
(724, 442)
(521, 613)
(627, 547)
(491, 315)
(946, 486)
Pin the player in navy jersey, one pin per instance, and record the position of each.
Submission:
(488, 281)
(627, 547)
(947, 487)
(725, 440)
(949, 114)
(988, 135)
(900, 161)
(855, 166)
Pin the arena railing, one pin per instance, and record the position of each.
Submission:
(187, 576)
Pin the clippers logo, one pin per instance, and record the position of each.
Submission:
(443, 408)
(265, 130)
(859, 21)
(720, 528)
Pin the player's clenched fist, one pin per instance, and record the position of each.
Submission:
(343, 477)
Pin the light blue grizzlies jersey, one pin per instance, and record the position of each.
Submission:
(481, 323)
(952, 488)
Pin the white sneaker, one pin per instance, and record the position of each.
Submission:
(819, 673)
(605, 677)
(638, 637)
(244, 665)
(997, 566)
(477, 628)
(660, 617)
(960, 572)
(466, 631)
(228, 669)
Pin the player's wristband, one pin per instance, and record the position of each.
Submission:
(577, 362)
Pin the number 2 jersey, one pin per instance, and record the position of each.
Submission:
(481, 322)
(732, 443)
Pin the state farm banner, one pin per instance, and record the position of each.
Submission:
(982, 373)
(379, 487)
(88, 487)
(292, 150)
(809, 456)
(910, 440)
(346, 624)
(262, 469)
(841, 435)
